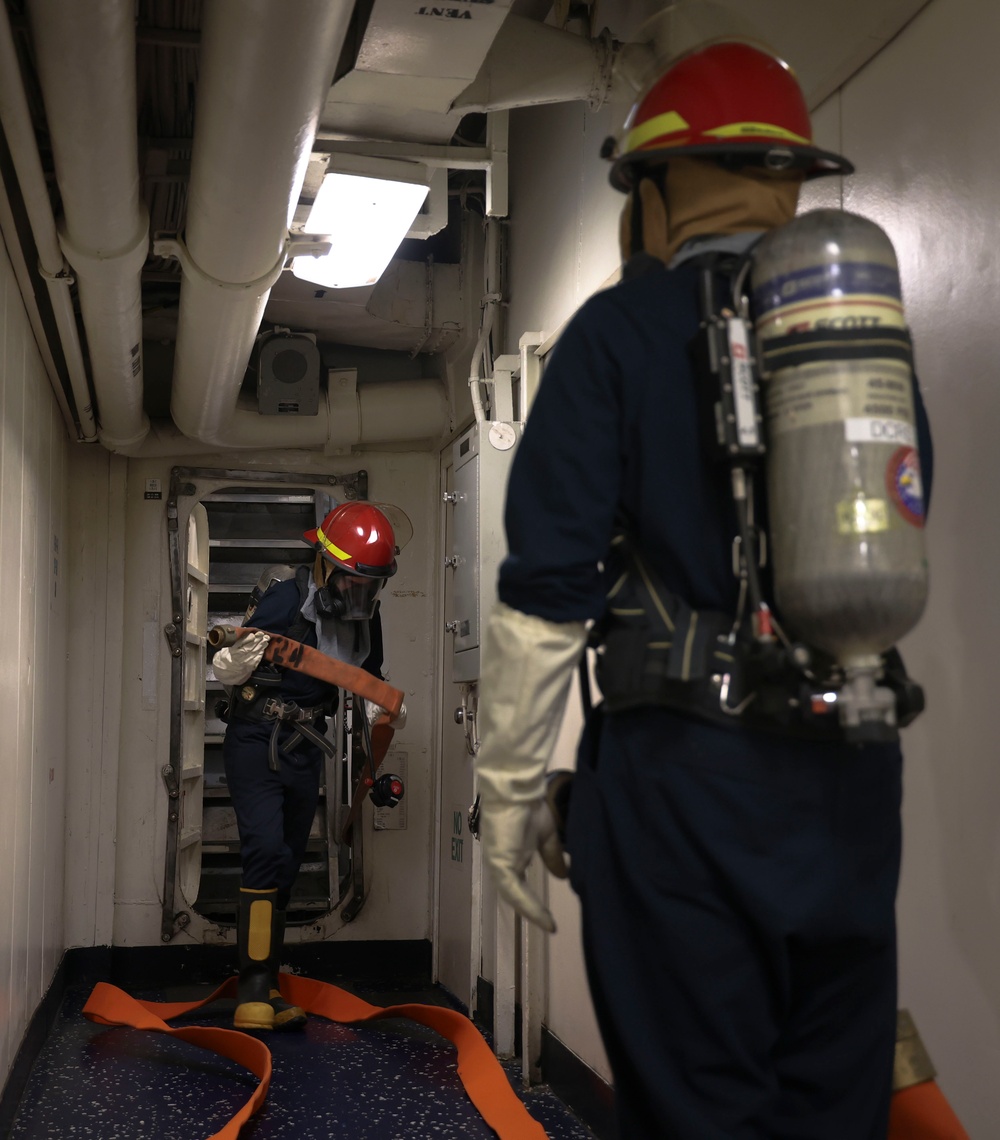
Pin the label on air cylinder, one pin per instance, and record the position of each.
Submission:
(870, 397)
(850, 294)
(862, 515)
(867, 429)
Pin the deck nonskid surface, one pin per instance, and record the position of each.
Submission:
(389, 1080)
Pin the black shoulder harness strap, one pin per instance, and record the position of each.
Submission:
(300, 626)
(650, 642)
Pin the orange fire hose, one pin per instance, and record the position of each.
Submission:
(918, 1112)
(291, 654)
(480, 1072)
(921, 1112)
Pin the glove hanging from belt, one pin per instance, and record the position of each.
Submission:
(288, 712)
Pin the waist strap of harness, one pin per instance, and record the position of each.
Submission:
(285, 712)
(654, 649)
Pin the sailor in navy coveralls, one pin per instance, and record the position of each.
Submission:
(274, 744)
(737, 885)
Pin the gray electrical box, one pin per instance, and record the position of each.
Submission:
(288, 376)
(481, 464)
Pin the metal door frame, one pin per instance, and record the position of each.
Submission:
(184, 484)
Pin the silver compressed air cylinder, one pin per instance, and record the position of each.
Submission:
(845, 501)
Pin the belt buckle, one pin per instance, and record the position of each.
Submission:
(274, 707)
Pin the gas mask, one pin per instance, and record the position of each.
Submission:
(346, 597)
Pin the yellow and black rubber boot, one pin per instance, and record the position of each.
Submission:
(286, 1016)
(257, 957)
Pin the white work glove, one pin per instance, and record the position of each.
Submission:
(374, 711)
(528, 665)
(233, 664)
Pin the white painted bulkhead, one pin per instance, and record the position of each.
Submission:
(37, 752)
(84, 571)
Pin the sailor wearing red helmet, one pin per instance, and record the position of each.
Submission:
(274, 743)
(736, 871)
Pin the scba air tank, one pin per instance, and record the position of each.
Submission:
(843, 474)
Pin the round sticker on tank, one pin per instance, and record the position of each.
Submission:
(905, 487)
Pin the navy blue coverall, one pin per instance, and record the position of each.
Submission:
(275, 810)
(737, 887)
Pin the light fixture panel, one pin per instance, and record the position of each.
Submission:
(366, 210)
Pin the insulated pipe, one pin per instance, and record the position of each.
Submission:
(264, 80)
(390, 412)
(85, 52)
(531, 63)
(20, 134)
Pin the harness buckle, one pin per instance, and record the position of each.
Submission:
(277, 709)
(724, 682)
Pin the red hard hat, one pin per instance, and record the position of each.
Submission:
(357, 538)
(728, 101)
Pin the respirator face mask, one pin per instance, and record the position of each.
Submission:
(348, 597)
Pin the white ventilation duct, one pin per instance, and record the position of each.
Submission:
(532, 63)
(416, 59)
(85, 53)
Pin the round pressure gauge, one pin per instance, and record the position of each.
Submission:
(502, 436)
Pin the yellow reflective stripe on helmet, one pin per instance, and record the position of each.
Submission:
(342, 555)
(769, 130)
(666, 124)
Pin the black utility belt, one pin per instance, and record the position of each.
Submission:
(708, 700)
(247, 703)
(696, 669)
(655, 650)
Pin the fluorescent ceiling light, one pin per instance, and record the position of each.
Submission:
(366, 219)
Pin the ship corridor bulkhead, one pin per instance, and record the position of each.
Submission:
(206, 343)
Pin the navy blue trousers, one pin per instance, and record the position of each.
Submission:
(274, 810)
(738, 900)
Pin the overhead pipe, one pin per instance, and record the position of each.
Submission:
(85, 54)
(15, 117)
(264, 79)
(392, 412)
(530, 64)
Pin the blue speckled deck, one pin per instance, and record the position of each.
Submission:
(391, 1080)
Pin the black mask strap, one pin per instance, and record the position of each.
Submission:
(328, 603)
